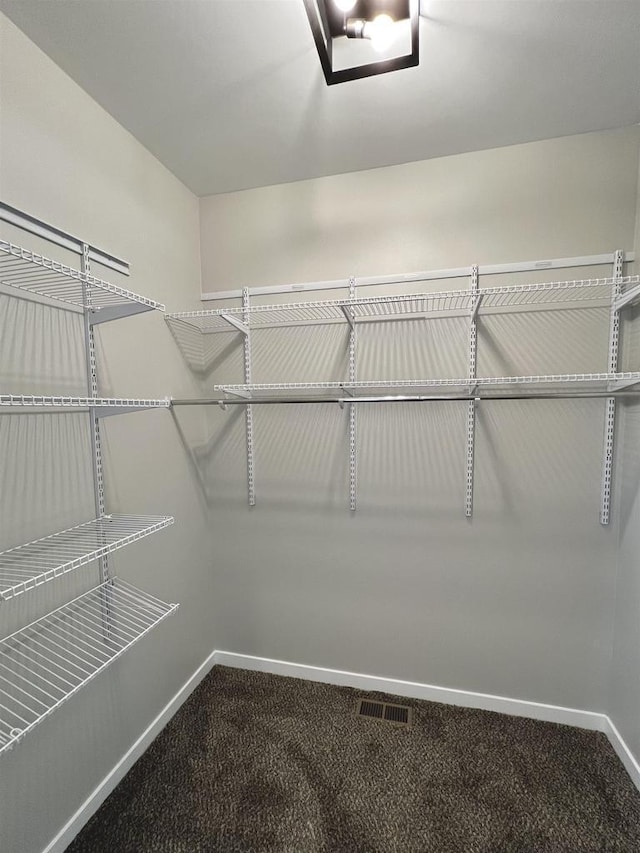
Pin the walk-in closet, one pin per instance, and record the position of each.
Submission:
(319, 426)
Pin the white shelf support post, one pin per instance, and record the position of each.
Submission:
(92, 388)
(471, 410)
(248, 411)
(612, 367)
(353, 423)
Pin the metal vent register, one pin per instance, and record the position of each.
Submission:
(397, 715)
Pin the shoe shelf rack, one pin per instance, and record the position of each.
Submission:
(613, 293)
(48, 661)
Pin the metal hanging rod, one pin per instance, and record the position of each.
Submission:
(428, 275)
(402, 398)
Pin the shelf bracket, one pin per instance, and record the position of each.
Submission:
(237, 324)
(348, 315)
(248, 410)
(476, 305)
(353, 415)
(471, 407)
(626, 298)
(621, 384)
(610, 411)
(116, 312)
(100, 412)
(236, 392)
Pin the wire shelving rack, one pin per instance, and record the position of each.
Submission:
(47, 662)
(409, 306)
(32, 273)
(28, 566)
(611, 293)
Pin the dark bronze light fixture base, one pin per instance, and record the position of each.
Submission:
(327, 23)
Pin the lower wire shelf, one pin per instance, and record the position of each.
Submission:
(559, 384)
(28, 566)
(48, 661)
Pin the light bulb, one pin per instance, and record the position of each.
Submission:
(380, 31)
(345, 5)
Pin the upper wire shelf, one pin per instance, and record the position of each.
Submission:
(48, 661)
(103, 406)
(36, 274)
(28, 566)
(410, 306)
(520, 385)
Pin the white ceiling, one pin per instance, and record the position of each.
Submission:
(229, 94)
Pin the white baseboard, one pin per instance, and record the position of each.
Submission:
(410, 689)
(631, 764)
(73, 826)
(415, 690)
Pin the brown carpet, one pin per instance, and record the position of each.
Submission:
(256, 763)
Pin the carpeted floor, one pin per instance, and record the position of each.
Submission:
(257, 763)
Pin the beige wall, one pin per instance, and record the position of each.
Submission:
(517, 602)
(625, 670)
(63, 159)
(556, 198)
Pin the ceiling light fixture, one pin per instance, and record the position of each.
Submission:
(345, 5)
(390, 26)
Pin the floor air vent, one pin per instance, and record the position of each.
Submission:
(397, 715)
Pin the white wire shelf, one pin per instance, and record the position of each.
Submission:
(409, 306)
(103, 406)
(520, 385)
(47, 662)
(36, 274)
(28, 566)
